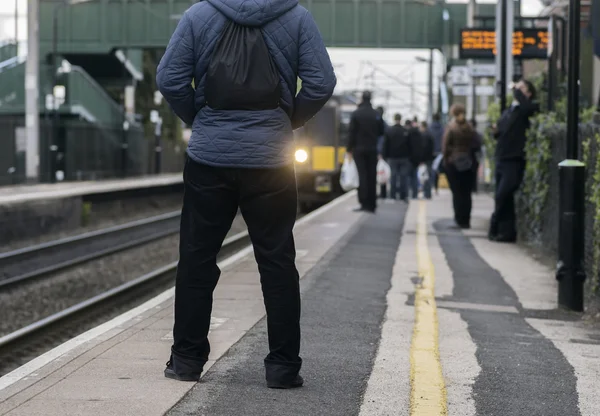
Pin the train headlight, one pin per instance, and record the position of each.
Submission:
(301, 156)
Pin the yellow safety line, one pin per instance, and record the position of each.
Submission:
(428, 391)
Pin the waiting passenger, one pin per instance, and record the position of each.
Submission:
(437, 131)
(511, 135)
(458, 164)
(416, 155)
(366, 126)
(477, 146)
(241, 154)
(427, 156)
(397, 152)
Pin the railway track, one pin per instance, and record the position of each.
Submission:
(32, 340)
(37, 261)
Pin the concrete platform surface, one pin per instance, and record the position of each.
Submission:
(117, 369)
(27, 193)
(403, 314)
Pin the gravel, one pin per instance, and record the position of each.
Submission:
(23, 305)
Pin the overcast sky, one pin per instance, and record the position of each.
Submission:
(390, 70)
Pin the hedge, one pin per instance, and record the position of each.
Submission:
(537, 199)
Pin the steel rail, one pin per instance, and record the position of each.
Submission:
(168, 269)
(26, 253)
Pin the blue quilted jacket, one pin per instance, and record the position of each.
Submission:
(248, 139)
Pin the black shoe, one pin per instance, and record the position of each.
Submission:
(170, 373)
(297, 382)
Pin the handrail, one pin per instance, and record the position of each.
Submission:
(95, 84)
(7, 42)
(11, 62)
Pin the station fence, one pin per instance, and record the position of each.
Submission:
(86, 152)
(537, 201)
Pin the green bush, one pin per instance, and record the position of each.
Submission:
(592, 161)
(493, 115)
(533, 196)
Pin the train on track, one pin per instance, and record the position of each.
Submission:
(320, 150)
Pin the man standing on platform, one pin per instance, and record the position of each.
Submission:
(366, 126)
(397, 152)
(511, 134)
(416, 155)
(437, 132)
(427, 156)
(241, 155)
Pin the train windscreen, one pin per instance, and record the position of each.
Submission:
(322, 128)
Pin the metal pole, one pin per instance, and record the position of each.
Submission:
(552, 65)
(563, 64)
(471, 104)
(32, 121)
(430, 89)
(573, 80)
(571, 261)
(124, 144)
(157, 146)
(53, 147)
(503, 59)
(17, 27)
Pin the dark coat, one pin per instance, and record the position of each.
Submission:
(366, 126)
(458, 141)
(511, 131)
(437, 131)
(416, 146)
(396, 143)
(427, 147)
(253, 139)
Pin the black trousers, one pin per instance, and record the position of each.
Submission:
(267, 199)
(383, 191)
(475, 176)
(509, 175)
(366, 163)
(461, 185)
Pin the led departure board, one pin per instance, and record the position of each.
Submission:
(528, 43)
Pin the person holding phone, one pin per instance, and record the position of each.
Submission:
(511, 135)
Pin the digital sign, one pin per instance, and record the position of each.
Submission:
(528, 43)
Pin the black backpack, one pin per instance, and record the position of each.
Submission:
(241, 74)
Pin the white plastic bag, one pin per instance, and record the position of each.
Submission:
(349, 175)
(384, 172)
(423, 174)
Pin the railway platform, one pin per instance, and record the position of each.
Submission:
(30, 211)
(402, 315)
(42, 192)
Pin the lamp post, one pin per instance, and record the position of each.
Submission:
(17, 27)
(429, 85)
(552, 63)
(32, 111)
(157, 120)
(570, 267)
(503, 60)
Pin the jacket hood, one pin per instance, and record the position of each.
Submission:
(253, 12)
